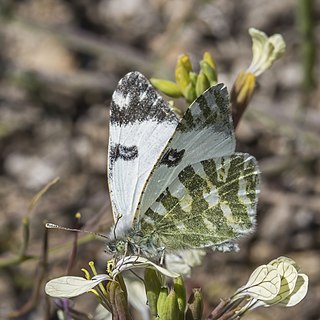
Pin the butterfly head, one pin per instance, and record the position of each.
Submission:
(117, 247)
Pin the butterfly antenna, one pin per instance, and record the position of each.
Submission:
(50, 225)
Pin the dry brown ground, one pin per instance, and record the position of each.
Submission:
(60, 61)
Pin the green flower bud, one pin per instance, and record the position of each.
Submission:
(182, 73)
(161, 303)
(193, 78)
(195, 305)
(171, 308)
(182, 78)
(153, 286)
(184, 61)
(207, 57)
(202, 83)
(169, 88)
(190, 93)
(180, 290)
(210, 72)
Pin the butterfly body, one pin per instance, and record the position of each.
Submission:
(135, 243)
(176, 184)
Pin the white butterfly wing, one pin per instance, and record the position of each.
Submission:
(205, 132)
(141, 123)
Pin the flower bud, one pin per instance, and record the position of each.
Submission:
(202, 83)
(183, 70)
(207, 57)
(190, 93)
(210, 72)
(184, 61)
(182, 75)
(241, 94)
(169, 88)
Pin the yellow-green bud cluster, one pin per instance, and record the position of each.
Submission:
(171, 303)
(189, 84)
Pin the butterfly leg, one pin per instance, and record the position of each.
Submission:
(126, 248)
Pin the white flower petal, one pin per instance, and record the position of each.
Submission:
(265, 50)
(137, 296)
(298, 293)
(184, 261)
(263, 284)
(275, 262)
(289, 276)
(70, 286)
(101, 313)
(132, 262)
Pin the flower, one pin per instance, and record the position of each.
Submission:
(277, 283)
(265, 51)
(72, 286)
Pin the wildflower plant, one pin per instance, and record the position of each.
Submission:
(279, 282)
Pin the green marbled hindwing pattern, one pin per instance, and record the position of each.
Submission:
(210, 202)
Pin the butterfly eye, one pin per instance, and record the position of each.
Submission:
(120, 246)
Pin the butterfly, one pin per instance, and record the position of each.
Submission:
(176, 183)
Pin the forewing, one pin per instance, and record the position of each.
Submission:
(205, 132)
(209, 203)
(141, 123)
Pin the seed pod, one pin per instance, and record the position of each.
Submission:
(119, 303)
(170, 308)
(180, 290)
(122, 284)
(161, 303)
(195, 305)
(152, 286)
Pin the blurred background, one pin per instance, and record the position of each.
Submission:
(59, 64)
